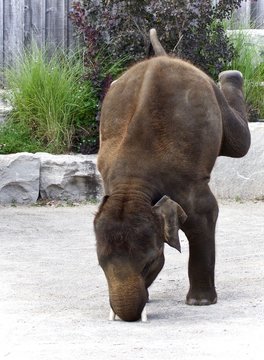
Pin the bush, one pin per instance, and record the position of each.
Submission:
(99, 79)
(118, 30)
(51, 103)
(57, 99)
(192, 30)
(15, 137)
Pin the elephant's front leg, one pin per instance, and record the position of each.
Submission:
(201, 236)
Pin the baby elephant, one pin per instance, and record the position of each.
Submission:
(163, 124)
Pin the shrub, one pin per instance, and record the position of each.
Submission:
(192, 30)
(118, 31)
(15, 137)
(100, 72)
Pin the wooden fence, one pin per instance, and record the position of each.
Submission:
(24, 21)
(251, 13)
(46, 21)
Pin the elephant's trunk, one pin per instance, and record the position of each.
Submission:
(128, 297)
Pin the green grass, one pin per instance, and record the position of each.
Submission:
(55, 102)
(15, 137)
(50, 99)
(247, 60)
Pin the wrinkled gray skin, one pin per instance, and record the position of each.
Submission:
(163, 124)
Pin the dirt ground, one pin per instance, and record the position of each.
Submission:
(54, 302)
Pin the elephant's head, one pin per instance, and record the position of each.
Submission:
(130, 241)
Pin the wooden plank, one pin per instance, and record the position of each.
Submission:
(69, 40)
(60, 35)
(27, 23)
(260, 14)
(13, 30)
(55, 22)
(242, 15)
(1, 36)
(37, 29)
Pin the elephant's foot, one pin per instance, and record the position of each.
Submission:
(231, 75)
(201, 298)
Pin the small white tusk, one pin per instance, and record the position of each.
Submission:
(112, 83)
(112, 315)
(144, 317)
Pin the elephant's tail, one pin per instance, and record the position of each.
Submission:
(156, 45)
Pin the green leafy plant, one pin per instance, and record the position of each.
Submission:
(101, 71)
(190, 29)
(118, 29)
(15, 137)
(51, 102)
(247, 60)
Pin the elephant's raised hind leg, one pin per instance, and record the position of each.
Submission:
(200, 231)
(236, 135)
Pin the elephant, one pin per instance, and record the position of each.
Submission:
(163, 124)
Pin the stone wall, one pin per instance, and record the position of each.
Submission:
(25, 177)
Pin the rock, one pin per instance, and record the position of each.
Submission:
(242, 179)
(69, 177)
(19, 178)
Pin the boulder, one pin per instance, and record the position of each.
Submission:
(19, 178)
(69, 177)
(242, 178)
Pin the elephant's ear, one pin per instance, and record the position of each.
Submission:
(173, 215)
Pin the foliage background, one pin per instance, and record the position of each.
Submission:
(57, 99)
(192, 30)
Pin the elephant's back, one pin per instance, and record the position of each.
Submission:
(161, 113)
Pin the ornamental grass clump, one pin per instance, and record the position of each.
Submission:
(50, 100)
(247, 59)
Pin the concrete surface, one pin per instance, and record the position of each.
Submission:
(54, 302)
(241, 178)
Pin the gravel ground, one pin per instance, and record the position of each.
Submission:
(54, 302)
